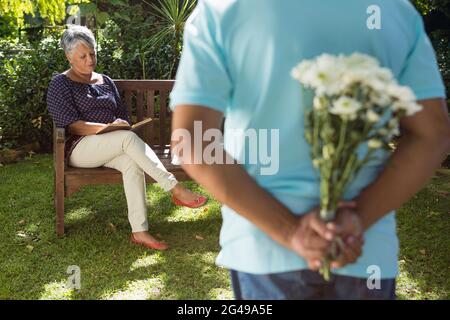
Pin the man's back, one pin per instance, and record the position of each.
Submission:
(259, 42)
(237, 58)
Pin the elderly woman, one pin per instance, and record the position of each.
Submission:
(83, 102)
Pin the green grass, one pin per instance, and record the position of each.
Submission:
(34, 262)
(424, 232)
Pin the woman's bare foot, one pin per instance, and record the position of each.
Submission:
(183, 194)
(144, 238)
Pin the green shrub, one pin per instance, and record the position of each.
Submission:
(25, 72)
(27, 68)
(126, 50)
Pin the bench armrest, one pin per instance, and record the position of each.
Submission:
(60, 135)
(59, 144)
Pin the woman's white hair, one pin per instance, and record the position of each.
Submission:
(73, 35)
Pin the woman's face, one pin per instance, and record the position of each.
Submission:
(82, 58)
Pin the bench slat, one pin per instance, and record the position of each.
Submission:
(128, 101)
(162, 118)
(150, 112)
(145, 84)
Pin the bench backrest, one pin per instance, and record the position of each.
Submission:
(149, 98)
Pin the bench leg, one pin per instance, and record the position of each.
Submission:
(58, 160)
(59, 206)
(59, 200)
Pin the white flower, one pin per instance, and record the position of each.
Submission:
(360, 68)
(401, 93)
(380, 98)
(351, 77)
(374, 144)
(410, 107)
(318, 103)
(372, 116)
(323, 74)
(316, 163)
(359, 61)
(327, 151)
(346, 107)
(394, 132)
(393, 127)
(327, 76)
(298, 71)
(304, 72)
(393, 123)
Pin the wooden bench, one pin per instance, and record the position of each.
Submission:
(143, 99)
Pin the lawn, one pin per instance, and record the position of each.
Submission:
(34, 262)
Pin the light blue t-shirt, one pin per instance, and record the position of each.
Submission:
(237, 58)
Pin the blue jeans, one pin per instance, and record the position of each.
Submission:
(305, 285)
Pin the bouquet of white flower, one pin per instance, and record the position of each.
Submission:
(356, 101)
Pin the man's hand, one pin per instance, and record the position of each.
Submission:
(348, 226)
(312, 239)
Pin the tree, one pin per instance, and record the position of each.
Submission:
(52, 10)
(436, 14)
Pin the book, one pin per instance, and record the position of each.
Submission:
(122, 126)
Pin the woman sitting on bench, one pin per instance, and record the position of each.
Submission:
(83, 102)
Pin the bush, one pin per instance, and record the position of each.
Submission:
(25, 72)
(124, 52)
(26, 69)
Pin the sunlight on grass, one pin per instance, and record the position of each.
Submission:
(209, 257)
(221, 294)
(98, 231)
(187, 214)
(78, 214)
(57, 290)
(156, 194)
(146, 261)
(138, 290)
(409, 287)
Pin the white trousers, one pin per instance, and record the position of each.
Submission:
(124, 151)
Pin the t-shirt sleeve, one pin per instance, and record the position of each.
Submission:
(202, 76)
(121, 111)
(421, 70)
(60, 103)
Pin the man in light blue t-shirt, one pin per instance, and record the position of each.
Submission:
(236, 62)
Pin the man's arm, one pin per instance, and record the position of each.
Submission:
(424, 144)
(230, 184)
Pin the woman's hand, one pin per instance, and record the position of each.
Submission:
(118, 120)
(83, 128)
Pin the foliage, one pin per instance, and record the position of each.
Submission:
(172, 16)
(149, 34)
(53, 10)
(7, 27)
(25, 72)
(436, 15)
(427, 6)
(137, 39)
(125, 50)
